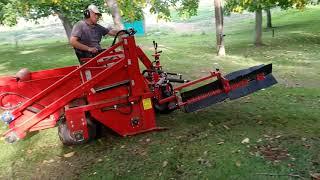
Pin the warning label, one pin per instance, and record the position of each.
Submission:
(147, 104)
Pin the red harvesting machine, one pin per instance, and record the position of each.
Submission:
(111, 90)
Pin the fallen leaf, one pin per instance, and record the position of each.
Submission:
(68, 155)
(219, 143)
(307, 145)
(165, 163)
(226, 127)
(148, 140)
(245, 141)
(291, 165)
(100, 141)
(234, 151)
(29, 151)
(86, 146)
(100, 160)
(238, 163)
(205, 153)
(260, 122)
(315, 176)
(278, 136)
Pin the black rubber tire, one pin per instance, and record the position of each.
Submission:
(163, 108)
(67, 139)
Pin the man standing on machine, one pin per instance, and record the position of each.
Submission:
(86, 34)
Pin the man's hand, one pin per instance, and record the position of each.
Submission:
(92, 50)
(74, 41)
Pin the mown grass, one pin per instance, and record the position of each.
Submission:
(204, 144)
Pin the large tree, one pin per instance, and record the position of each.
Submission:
(258, 6)
(219, 28)
(132, 10)
(269, 18)
(115, 12)
(68, 11)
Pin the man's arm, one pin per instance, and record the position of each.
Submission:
(74, 41)
(114, 32)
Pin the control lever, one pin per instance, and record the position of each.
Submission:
(155, 45)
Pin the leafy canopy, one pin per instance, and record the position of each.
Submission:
(35, 9)
(11, 10)
(8, 12)
(133, 9)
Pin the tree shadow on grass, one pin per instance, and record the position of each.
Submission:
(292, 49)
(44, 157)
(36, 57)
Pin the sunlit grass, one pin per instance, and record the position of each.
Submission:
(197, 145)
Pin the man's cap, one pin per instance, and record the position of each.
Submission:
(94, 9)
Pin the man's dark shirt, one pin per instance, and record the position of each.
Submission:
(89, 35)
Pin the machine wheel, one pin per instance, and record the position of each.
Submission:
(68, 139)
(166, 91)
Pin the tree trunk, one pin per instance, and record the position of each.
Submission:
(258, 35)
(113, 5)
(269, 22)
(66, 24)
(219, 28)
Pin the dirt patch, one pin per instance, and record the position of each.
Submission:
(272, 153)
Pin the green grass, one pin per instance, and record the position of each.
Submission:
(201, 145)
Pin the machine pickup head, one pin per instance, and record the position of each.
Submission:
(232, 86)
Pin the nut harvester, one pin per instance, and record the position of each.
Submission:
(113, 90)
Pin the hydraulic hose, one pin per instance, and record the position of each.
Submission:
(129, 32)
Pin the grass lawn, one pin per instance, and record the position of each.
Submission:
(282, 123)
